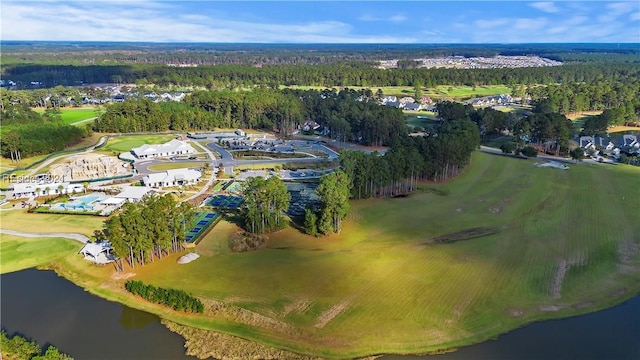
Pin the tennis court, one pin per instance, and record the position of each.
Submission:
(225, 201)
(202, 222)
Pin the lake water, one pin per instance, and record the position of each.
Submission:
(50, 309)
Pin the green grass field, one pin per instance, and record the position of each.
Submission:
(125, 143)
(411, 297)
(20, 253)
(382, 286)
(74, 115)
(177, 165)
(438, 92)
(20, 220)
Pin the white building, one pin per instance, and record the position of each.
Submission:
(34, 189)
(172, 148)
(174, 177)
(99, 253)
(133, 194)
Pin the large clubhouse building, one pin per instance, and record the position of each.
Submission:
(172, 148)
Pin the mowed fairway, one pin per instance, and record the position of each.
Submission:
(125, 143)
(564, 242)
(74, 115)
(21, 252)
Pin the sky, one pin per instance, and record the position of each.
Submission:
(390, 21)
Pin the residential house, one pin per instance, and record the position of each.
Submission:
(174, 177)
(425, 100)
(595, 143)
(407, 100)
(171, 148)
(395, 104)
(310, 125)
(412, 106)
(388, 99)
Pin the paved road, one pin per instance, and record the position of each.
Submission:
(496, 151)
(212, 178)
(78, 237)
(339, 144)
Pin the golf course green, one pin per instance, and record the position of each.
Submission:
(502, 245)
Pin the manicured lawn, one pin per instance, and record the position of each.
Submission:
(20, 253)
(126, 143)
(410, 297)
(438, 92)
(176, 165)
(20, 220)
(73, 115)
(381, 285)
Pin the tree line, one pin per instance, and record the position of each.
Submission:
(337, 74)
(148, 230)
(178, 300)
(621, 93)
(17, 347)
(22, 132)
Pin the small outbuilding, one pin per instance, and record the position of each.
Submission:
(99, 253)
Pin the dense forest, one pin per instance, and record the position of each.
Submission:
(339, 74)
(82, 53)
(23, 130)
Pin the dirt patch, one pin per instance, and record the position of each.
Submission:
(330, 314)
(516, 312)
(300, 305)
(219, 309)
(121, 276)
(242, 241)
(552, 308)
(556, 286)
(628, 251)
(462, 235)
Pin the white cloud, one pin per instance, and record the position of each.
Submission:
(489, 24)
(529, 24)
(392, 18)
(545, 6)
(576, 20)
(635, 16)
(398, 18)
(109, 21)
(622, 7)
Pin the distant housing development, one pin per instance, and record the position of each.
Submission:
(173, 147)
(461, 62)
(174, 177)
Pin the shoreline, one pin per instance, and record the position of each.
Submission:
(184, 326)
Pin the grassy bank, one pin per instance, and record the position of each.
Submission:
(383, 286)
(20, 253)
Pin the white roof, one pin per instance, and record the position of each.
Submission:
(113, 201)
(174, 145)
(94, 249)
(134, 192)
(32, 186)
(172, 175)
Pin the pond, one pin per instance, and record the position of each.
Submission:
(51, 310)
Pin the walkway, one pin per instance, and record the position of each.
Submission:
(78, 237)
